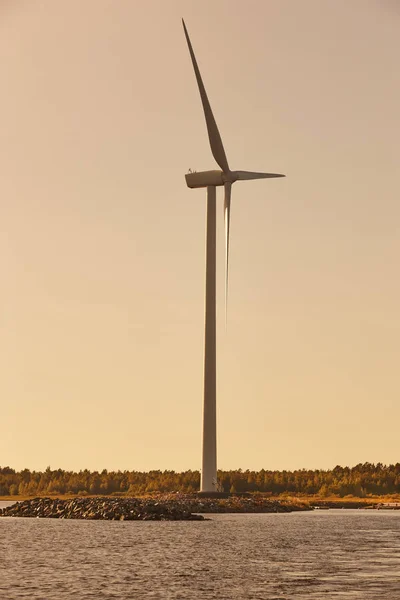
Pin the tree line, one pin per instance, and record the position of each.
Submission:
(359, 481)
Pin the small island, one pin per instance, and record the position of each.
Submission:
(170, 507)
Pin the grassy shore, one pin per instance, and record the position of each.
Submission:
(337, 502)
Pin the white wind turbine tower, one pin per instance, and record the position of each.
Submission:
(210, 180)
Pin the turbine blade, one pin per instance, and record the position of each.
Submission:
(217, 147)
(242, 175)
(227, 216)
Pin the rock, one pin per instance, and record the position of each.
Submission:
(122, 509)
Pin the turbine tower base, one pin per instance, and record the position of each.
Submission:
(215, 495)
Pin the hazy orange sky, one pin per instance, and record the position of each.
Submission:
(103, 245)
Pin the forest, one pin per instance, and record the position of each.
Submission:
(360, 481)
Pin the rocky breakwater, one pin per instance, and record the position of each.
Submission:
(111, 509)
(256, 503)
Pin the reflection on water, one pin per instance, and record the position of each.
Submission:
(4, 504)
(320, 555)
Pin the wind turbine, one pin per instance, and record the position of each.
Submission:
(210, 180)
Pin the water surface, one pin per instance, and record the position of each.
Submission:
(323, 555)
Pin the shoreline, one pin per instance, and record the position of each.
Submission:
(171, 507)
(283, 500)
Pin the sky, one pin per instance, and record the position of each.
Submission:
(102, 245)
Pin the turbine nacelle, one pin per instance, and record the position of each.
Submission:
(203, 179)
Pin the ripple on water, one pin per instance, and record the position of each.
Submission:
(327, 555)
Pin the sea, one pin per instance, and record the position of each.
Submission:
(321, 555)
